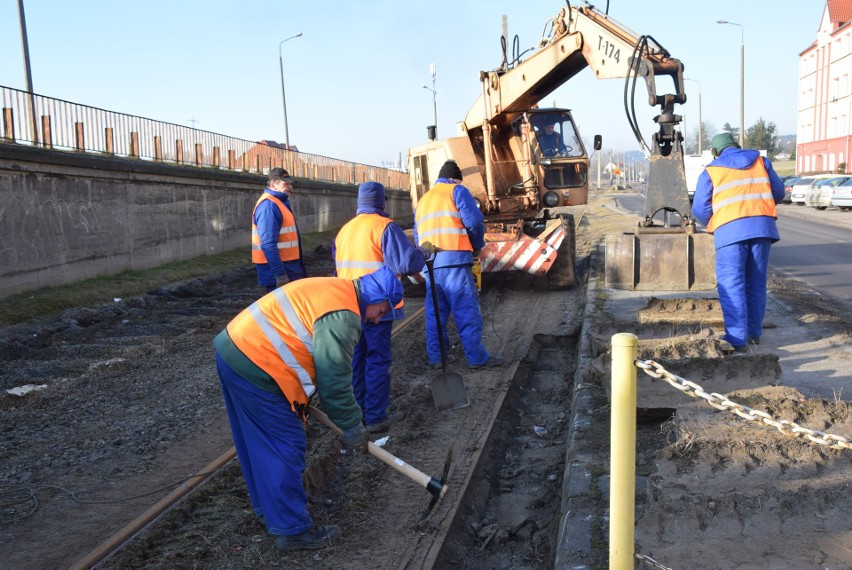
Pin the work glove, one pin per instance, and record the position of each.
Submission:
(356, 437)
(281, 280)
(428, 249)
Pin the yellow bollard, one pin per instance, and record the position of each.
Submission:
(622, 483)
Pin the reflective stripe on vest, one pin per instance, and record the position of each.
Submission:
(438, 220)
(288, 235)
(358, 247)
(740, 194)
(276, 331)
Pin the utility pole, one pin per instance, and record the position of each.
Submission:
(26, 50)
(433, 130)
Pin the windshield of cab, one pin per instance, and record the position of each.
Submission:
(556, 135)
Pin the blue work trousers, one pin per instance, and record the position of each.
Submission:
(271, 443)
(457, 294)
(371, 363)
(741, 272)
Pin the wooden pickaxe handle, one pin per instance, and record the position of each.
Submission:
(431, 484)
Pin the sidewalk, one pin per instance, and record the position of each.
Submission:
(730, 476)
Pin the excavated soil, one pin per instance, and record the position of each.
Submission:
(125, 405)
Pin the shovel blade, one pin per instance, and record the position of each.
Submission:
(448, 391)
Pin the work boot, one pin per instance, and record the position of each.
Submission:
(385, 423)
(740, 350)
(311, 539)
(492, 362)
(754, 340)
(438, 365)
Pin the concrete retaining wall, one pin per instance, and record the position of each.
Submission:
(66, 217)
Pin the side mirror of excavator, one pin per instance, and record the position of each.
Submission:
(598, 142)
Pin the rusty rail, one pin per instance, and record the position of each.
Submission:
(50, 123)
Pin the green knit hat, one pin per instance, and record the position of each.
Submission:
(722, 141)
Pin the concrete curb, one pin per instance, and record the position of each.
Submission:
(579, 510)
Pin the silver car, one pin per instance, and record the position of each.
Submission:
(802, 186)
(821, 191)
(842, 197)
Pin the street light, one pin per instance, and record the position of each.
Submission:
(742, 80)
(700, 132)
(284, 97)
(433, 132)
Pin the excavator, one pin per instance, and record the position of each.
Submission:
(526, 166)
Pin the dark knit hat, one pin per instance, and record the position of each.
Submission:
(450, 170)
(371, 195)
(722, 141)
(380, 285)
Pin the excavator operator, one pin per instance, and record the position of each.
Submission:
(550, 140)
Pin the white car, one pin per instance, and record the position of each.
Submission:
(842, 197)
(821, 191)
(800, 190)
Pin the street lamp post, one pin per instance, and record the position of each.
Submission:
(433, 132)
(742, 80)
(700, 126)
(283, 96)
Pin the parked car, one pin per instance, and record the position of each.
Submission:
(842, 197)
(788, 187)
(800, 190)
(821, 191)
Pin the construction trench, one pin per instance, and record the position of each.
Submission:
(131, 411)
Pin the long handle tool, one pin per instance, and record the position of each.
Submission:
(436, 487)
(448, 387)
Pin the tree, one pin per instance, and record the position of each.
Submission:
(691, 143)
(735, 132)
(761, 136)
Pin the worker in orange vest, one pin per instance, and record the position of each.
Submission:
(291, 344)
(276, 246)
(735, 198)
(367, 242)
(448, 217)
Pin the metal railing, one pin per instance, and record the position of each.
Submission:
(45, 122)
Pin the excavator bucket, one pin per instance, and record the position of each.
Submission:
(663, 258)
(677, 261)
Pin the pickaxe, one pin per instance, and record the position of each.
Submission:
(436, 487)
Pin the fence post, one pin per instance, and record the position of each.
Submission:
(158, 148)
(79, 136)
(257, 163)
(45, 131)
(231, 159)
(199, 155)
(179, 151)
(108, 139)
(134, 144)
(9, 124)
(216, 156)
(622, 482)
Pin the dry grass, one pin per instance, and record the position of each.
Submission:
(100, 290)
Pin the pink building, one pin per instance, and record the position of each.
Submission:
(824, 110)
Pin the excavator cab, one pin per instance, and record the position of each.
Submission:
(560, 162)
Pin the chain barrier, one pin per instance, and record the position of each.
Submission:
(720, 402)
(650, 562)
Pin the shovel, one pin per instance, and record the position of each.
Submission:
(448, 387)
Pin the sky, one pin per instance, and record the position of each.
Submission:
(354, 81)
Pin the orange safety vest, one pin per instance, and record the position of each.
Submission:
(288, 235)
(358, 247)
(276, 331)
(438, 220)
(740, 194)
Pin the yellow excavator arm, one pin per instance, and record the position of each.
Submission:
(581, 36)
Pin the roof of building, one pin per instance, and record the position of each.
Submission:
(840, 12)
